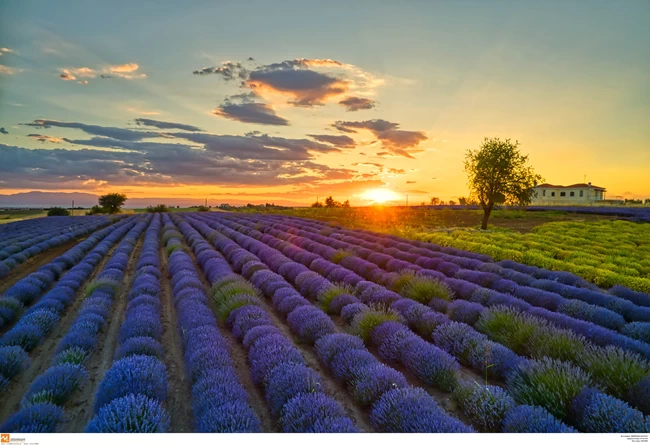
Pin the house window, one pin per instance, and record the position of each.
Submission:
(552, 193)
(582, 193)
(562, 193)
(572, 194)
(543, 192)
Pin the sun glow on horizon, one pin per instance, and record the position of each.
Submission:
(380, 196)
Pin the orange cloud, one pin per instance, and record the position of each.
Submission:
(44, 138)
(125, 68)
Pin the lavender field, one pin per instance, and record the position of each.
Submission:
(220, 322)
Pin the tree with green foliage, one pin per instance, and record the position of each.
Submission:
(435, 201)
(317, 205)
(113, 202)
(499, 173)
(346, 204)
(160, 208)
(58, 211)
(203, 209)
(96, 210)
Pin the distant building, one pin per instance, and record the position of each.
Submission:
(576, 194)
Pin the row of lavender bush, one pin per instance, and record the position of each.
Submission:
(219, 401)
(451, 335)
(130, 397)
(27, 290)
(18, 253)
(42, 317)
(371, 383)
(42, 405)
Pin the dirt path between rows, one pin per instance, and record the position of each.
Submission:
(42, 355)
(179, 390)
(80, 409)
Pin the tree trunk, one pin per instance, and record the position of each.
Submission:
(486, 215)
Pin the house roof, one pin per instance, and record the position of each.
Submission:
(573, 186)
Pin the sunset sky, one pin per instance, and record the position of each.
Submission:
(286, 101)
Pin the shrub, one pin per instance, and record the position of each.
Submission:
(340, 254)
(310, 323)
(37, 418)
(288, 380)
(352, 310)
(373, 381)
(136, 374)
(347, 364)
(106, 285)
(327, 296)
(464, 311)
(160, 208)
(424, 289)
(431, 364)
(595, 412)
(55, 385)
(268, 353)
(131, 414)
(485, 406)
(548, 383)
(259, 332)
(58, 211)
(364, 322)
(45, 320)
(639, 395)
(233, 416)
(614, 368)
(328, 346)
(13, 359)
(26, 336)
(304, 411)
(338, 303)
(140, 346)
(412, 410)
(532, 419)
(72, 356)
(638, 330)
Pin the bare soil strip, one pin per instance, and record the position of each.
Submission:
(179, 392)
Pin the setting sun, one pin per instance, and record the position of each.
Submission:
(380, 196)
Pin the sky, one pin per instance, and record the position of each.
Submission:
(290, 101)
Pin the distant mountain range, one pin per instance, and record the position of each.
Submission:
(86, 200)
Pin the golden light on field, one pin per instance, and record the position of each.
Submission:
(380, 196)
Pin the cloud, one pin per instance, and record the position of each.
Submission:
(295, 78)
(5, 51)
(228, 71)
(83, 82)
(411, 182)
(399, 142)
(96, 130)
(126, 68)
(396, 171)
(165, 125)
(418, 192)
(357, 103)
(341, 141)
(247, 108)
(308, 88)
(166, 165)
(3, 131)
(44, 138)
(125, 71)
(9, 70)
(369, 164)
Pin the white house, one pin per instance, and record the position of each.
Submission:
(576, 194)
